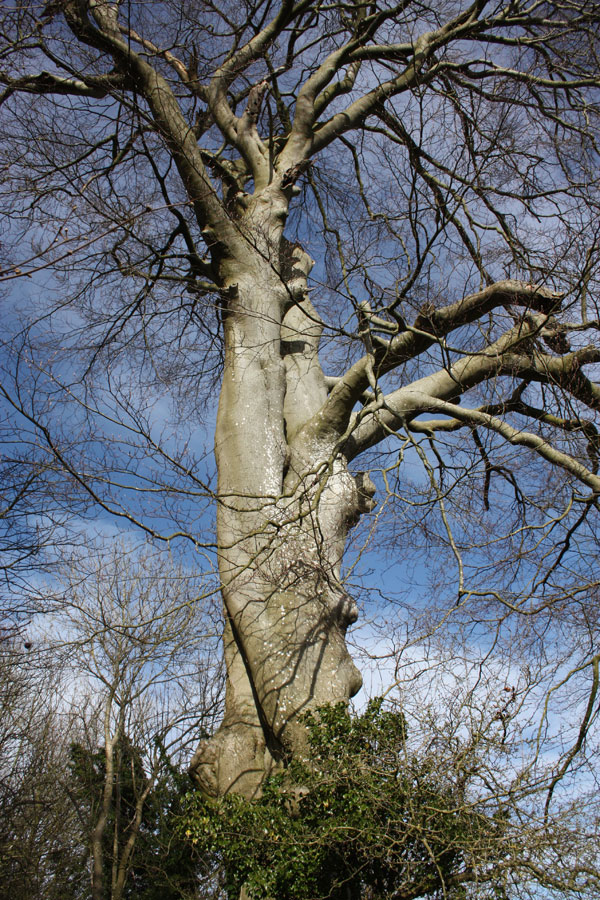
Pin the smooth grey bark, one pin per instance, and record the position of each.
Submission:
(286, 503)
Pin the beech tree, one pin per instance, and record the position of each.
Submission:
(372, 227)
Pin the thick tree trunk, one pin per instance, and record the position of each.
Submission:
(286, 502)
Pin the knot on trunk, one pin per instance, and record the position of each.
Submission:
(366, 491)
(294, 261)
(234, 760)
(344, 611)
(203, 768)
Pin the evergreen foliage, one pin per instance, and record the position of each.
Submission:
(364, 819)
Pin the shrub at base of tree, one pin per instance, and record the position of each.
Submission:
(364, 818)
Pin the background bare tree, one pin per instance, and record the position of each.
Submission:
(141, 656)
(41, 851)
(170, 172)
(101, 704)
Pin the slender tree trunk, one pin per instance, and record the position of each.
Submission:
(98, 832)
(123, 864)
